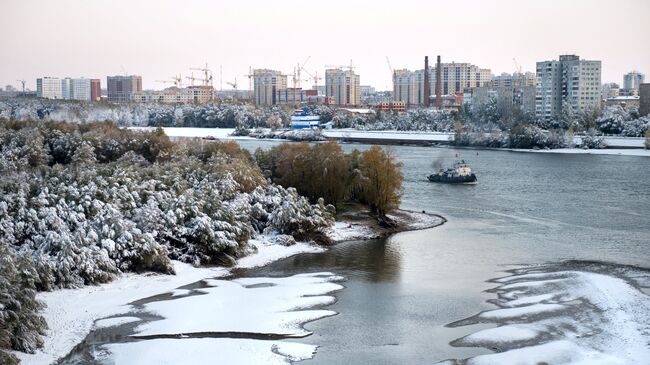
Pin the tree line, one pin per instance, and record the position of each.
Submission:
(372, 177)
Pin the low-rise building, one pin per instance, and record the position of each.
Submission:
(392, 106)
(175, 95)
(626, 102)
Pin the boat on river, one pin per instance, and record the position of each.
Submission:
(301, 119)
(459, 173)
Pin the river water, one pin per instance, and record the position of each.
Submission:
(527, 209)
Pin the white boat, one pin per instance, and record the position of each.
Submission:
(302, 120)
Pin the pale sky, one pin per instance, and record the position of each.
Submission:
(158, 39)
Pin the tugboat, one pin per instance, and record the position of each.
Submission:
(460, 173)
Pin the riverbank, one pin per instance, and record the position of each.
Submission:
(628, 146)
(358, 224)
(72, 313)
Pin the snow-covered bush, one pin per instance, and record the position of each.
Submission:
(593, 141)
(636, 127)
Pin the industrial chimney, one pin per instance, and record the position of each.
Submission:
(427, 82)
(438, 84)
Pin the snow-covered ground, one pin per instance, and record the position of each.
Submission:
(221, 133)
(606, 151)
(389, 135)
(630, 146)
(571, 316)
(206, 351)
(70, 313)
(348, 231)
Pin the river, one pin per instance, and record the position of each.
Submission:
(527, 209)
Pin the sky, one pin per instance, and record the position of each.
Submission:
(162, 38)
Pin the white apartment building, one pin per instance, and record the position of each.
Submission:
(569, 81)
(175, 95)
(80, 89)
(408, 86)
(344, 87)
(266, 83)
(49, 87)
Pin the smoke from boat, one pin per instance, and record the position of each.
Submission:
(438, 163)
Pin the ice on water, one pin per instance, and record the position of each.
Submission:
(564, 314)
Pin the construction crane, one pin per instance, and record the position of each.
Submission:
(22, 82)
(350, 67)
(166, 81)
(517, 65)
(192, 79)
(392, 71)
(207, 80)
(314, 77)
(233, 84)
(250, 80)
(297, 78)
(176, 80)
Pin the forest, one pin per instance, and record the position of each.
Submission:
(81, 203)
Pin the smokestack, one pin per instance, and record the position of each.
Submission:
(427, 82)
(438, 84)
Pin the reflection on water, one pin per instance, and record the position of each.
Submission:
(372, 260)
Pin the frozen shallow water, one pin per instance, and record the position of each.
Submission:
(574, 313)
(240, 321)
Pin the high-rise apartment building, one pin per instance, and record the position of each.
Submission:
(49, 87)
(569, 81)
(122, 88)
(644, 99)
(343, 87)
(95, 89)
(408, 86)
(266, 83)
(79, 89)
(632, 81)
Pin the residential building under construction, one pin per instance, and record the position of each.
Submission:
(266, 84)
(343, 86)
(176, 95)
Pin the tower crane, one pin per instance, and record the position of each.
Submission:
(23, 83)
(166, 81)
(192, 79)
(350, 67)
(297, 78)
(176, 80)
(233, 84)
(207, 80)
(517, 65)
(250, 80)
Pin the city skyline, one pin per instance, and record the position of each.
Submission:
(158, 40)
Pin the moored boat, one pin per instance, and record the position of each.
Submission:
(302, 120)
